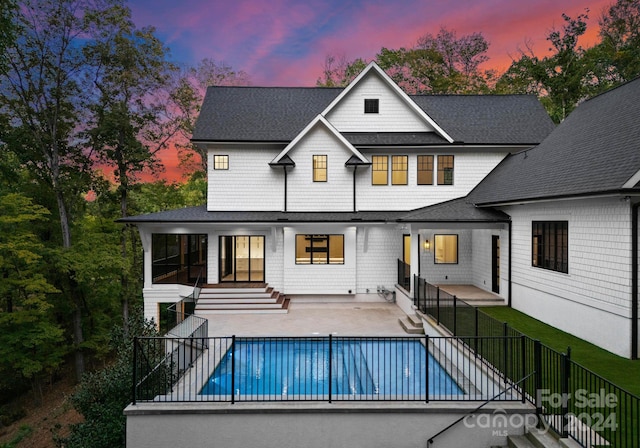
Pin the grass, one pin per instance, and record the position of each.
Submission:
(23, 432)
(621, 371)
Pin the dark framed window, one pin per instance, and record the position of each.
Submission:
(445, 249)
(220, 162)
(425, 170)
(319, 249)
(399, 168)
(371, 106)
(550, 245)
(379, 170)
(319, 168)
(178, 258)
(445, 170)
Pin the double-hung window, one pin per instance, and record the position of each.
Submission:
(319, 249)
(445, 170)
(425, 170)
(320, 168)
(399, 168)
(379, 170)
(550, 245)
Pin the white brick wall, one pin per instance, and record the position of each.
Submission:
(394, 115)
(592, 301)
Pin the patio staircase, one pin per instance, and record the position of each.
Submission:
(248, 298)
(411, 324)
(538, 438)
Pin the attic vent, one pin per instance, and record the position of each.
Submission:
(371, 106)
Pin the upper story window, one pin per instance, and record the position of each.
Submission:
(425, 170)
(550, 245)
(319, 249)
(446, 249)
(320, 168)
(399, 168)
(371, 106)
(220, 162)
(379, 170)
(445, 170)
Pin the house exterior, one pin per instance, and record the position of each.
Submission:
(327, 193)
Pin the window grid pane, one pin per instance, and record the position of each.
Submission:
(399, 167)
(550, 245)
(319, 249)
(445, 170)
(371, 106)
(319, 168)
(379, 170)
(220, 162)
(425, 170)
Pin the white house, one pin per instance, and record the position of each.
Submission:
(329, 193)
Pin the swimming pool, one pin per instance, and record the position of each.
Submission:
(344, 368)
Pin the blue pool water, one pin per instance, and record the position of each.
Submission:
(300, 367)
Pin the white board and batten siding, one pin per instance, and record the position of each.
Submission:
(597, 287)
(394, 115)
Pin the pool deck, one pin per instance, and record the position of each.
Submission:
(312, 319)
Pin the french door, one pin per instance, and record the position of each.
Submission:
(241, 258)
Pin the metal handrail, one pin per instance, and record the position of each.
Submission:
(495, 397)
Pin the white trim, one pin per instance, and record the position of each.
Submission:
(329, 126)
(373, 66)
(633, 181)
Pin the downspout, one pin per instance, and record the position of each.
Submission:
(634, 280)
(285, 187)
(509, 270)
(355, 168)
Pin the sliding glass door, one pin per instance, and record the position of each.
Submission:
(242, 258)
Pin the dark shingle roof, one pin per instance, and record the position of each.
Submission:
(596, 149)
(278, 114)
(393, 138)
(456, 210)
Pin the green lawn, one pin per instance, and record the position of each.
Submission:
(621, 371)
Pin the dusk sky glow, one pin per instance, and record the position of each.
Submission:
(284, 42)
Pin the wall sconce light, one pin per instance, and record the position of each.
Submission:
(426, 245)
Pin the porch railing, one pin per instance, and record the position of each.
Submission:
(569, 398)
(404, 274)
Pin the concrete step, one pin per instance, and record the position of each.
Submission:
(216, 299)
(519, 442)
(283, 309)
(409, 326)
(543, 439)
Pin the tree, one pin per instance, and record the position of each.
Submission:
(560, 79)
(620, 38)
(41, 85)
(339, 72)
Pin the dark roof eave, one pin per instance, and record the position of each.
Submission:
(616, 192)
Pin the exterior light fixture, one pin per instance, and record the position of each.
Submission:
(427, 245)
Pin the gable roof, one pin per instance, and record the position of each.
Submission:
(279, 114)
(375, 68)
(319, 120)
(595, 150)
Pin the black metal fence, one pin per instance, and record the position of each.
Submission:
(404, 274)
(570, 399)
(233, 369)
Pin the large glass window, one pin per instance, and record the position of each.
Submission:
(445, 170)
(446, 249)
(319, 168)
(379, 170)
(550, 245)
(220, 162)
(178, 258)
(319, 249)
(425, 170)
(399, 168)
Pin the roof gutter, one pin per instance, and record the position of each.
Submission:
(561, 197)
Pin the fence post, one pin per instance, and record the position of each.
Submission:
(233, 369)
(438, 304)
(523, 349)
(566, 372)
(455, 316)
(426, 367)
(537, 362)
(135, 366)
(477, 332)
(505, 348)
(330, 364)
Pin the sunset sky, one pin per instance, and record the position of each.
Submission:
(285, 42)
